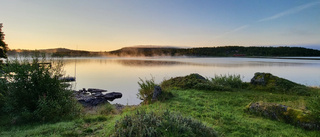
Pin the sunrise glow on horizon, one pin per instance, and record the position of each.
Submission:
(104, 25)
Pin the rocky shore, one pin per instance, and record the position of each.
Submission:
(94, 97)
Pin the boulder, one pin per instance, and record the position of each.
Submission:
(94, 90)
(261, 78)
(186, 82)
(156, 92)
(284, 113)
(111, 96)
(87, 99)
(271, 83)
(91, 101)
(98, 94)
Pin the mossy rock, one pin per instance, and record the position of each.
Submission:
(284, 113)
(269, 82)
(193, 81)
(186, 82)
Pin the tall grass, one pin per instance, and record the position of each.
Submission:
(232, 81)
(146, 89)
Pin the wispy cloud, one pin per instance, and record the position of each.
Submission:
(290, 11)
(276, 16)
(233, 31)
(240, 28)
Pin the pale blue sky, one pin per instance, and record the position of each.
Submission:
(103, 25)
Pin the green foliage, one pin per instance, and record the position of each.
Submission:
(92, 119)
(314, 106)
(230, 81)
(146, 89)
(224, 110)
(161, 124)
(106, 109)
(35, 93)
(3, 45)
(3, 88)
(221, 110)
(211, 87)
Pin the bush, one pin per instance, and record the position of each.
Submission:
(146, 89)
(231, 81)
(35, 93)
(161, 124)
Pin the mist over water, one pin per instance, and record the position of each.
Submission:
(122, 74)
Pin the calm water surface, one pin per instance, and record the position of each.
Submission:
(122, 74)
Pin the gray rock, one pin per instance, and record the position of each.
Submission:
(87, 99)
(91, 101)
(111, 96)
(156, 92)
(94, 90)
(198, 76)
(98, 94)
(258, 79)
(281, 113)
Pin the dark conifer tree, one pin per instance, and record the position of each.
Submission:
(3, 45)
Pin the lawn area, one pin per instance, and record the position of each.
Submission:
(224, 111)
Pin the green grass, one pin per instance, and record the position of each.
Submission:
(224, 111)
(221, 110)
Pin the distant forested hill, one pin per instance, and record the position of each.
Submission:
(226, 51)
(57, 52)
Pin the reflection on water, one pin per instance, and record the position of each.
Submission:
(122, 74)
(171, 62)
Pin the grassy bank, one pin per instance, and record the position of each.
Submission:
(224, 111)
(221, 110)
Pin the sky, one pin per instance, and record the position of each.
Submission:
(104, 25)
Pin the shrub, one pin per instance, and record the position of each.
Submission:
(160, 124)
(231, 81)
(35, 93)
(146, 89)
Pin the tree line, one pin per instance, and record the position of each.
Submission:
(224, 51)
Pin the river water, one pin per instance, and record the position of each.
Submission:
(122, 74)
